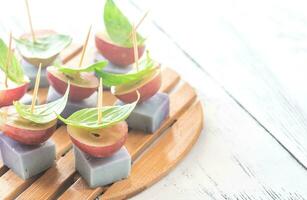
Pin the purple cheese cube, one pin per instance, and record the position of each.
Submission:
(31, 71)
(149, 115)
(26, 160)
(103, 171)
(26, 99)
(111, 67)
(71, 107)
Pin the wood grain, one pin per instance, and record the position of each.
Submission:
(52, 180)
(70, 52)
(162, 157)
(3, 169)
(55, 187)
(236, 158)
(257, 60)
(169, 79)
(138, 142)
(11, 185)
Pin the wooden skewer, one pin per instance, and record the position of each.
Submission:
(135, 48)
(8, 60)
(84, 46)
(140, 22)
(30, 20)
(37, 80)
(142, 19)
(100, 101)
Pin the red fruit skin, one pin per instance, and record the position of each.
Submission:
(76, 93)
(146, 91)
(29, 137)
(105, 151)
(118, 55)
(7, 96)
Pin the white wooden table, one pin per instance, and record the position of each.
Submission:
(248, 61)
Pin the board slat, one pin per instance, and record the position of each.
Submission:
(70, 52)
(54, 186)
(154, 165)
(137, 141)
(62, 141)
(170, 79)
(52, 180)
(3, 169)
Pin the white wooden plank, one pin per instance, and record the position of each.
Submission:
(255, 50)
(234, 157)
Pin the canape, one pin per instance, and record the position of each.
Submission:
(99, 143)
(25, 132)
(146, 80)
(31, 124)
(13, 82)
(41, 46)
(153, 106)
(98, 135)
(148, 86)
(82, 79)
(99, 131)
(115, 43)
(83, 84)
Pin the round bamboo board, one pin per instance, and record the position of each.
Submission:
(154, 155)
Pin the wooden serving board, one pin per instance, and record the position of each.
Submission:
(153, 155)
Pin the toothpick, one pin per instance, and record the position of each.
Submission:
(135, 48)
(140, 22)
(8, 60)
(37, 80)
(30, 20)
(100, 101)
(85, 45)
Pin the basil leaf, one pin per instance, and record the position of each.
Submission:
(88, 118)
(146, 68)
(118, 26)
(69, 70)
(15, 72)
(43, 47)
(43, 113)
(110, 79)
(91, 68)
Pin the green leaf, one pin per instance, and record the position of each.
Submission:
(118, 26)
(44, 47)
(88, 118)
(147, 67)
(43, 113)
(73, 70)
(15, 72)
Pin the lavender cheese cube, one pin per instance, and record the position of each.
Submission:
(103, 171)
(31, 71)
(26, 160)
(71, 107)
(111, 68)
(149, 115)
(26, 99)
